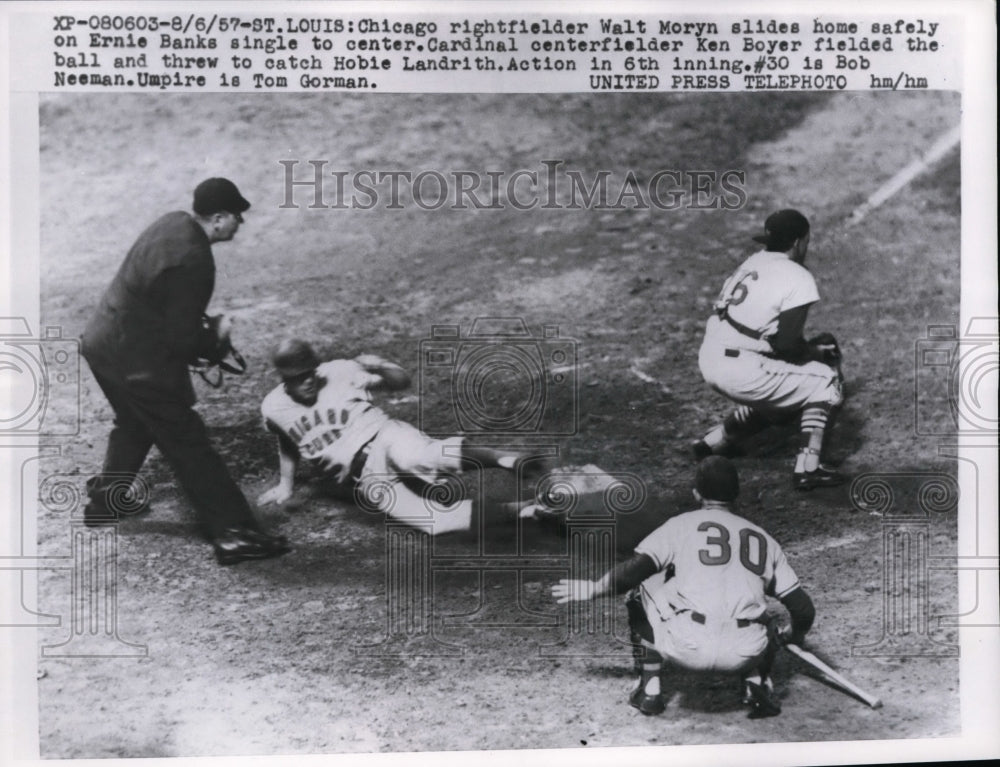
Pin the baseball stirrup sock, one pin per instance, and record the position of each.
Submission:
(813, 429)
(650, 680)
(717, 437)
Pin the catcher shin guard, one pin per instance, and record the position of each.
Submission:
(640, 629)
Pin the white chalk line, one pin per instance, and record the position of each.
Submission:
(937, 150)
(822, 543)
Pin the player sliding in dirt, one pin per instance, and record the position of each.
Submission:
(322, 413)
(698, 595)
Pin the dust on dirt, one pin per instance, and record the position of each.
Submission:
(302, 654)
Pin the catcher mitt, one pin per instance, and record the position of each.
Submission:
(826, 349)
(215, 351)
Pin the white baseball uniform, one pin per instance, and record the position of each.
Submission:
(706, 609)
(735, 357)
(343, 422)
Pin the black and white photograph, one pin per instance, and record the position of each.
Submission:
(538, 415)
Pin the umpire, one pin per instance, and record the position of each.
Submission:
(139, 343)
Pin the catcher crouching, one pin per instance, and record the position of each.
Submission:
(697, 595)
(323, 414)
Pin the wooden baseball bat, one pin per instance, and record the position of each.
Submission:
(815, 662)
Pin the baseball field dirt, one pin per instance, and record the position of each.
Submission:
(309, 653)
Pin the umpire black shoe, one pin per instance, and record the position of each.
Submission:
(111, 504)
(237, 544)
(650, 705)
(761, 700)
(819, 477)
(95, 513)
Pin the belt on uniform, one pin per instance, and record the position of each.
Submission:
(739, 327)
(359, 460)
(697, 617)
(732, 352)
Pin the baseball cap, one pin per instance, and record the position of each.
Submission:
(293, 357)
(716, 479)
(214, 195)
(782, 228)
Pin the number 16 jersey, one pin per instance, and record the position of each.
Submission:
(723, 565)
(763, 287)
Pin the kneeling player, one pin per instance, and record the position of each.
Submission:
(699, 583)
(755, 354)
(323, 413)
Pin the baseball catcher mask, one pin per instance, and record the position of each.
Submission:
(215, 351)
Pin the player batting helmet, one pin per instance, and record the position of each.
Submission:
(294, 357)
(716, 479)
(782, 228)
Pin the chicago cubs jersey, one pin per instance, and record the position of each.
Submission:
(723, 565)
(343, 418)
(763, 287)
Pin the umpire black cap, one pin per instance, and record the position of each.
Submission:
(216, 195)
(782, 228)
(716, 479)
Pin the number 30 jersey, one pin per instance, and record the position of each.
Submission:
(723, 565)
(763, 287)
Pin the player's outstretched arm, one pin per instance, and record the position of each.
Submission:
(620, 579)
(287, 464)
(576, 590)
(391, 375)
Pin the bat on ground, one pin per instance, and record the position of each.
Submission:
(815, 662)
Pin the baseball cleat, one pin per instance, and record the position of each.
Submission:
(819, 477)
(761, 701)
(700, 450)
(237, 544)
(649, 705)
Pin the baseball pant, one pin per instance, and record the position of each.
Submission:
(768, 384)
(402, 452)
(142, 421)
(698, 642)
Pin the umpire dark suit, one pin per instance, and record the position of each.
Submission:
(139, 343)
